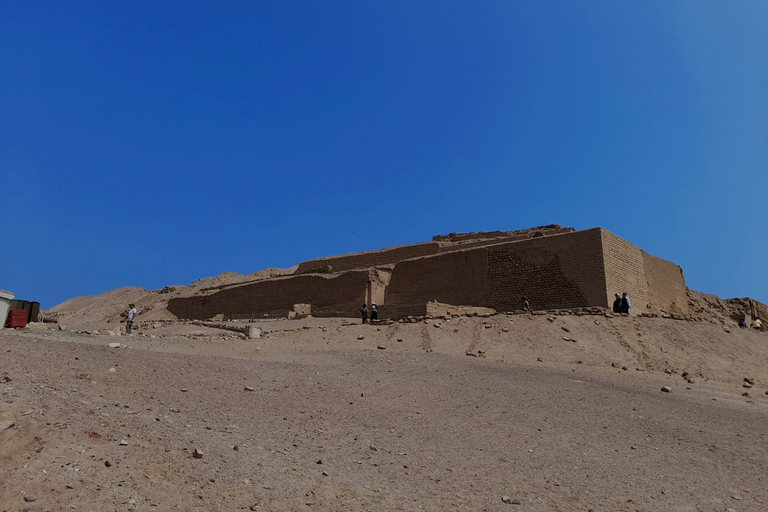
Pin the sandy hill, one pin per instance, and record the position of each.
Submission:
(110, 306)
(552, 412)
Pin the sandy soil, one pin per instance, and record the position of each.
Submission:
(311, 417)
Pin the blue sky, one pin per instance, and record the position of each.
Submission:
(156, 143)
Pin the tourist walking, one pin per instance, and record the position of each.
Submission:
(364, 312)
(131, 317)
(374, 312)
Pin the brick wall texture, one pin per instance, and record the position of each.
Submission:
(568, 270)
(369, 258)
(329, 295)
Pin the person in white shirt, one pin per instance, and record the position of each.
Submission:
(131, 317)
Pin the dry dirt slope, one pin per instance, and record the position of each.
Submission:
(152, 304)
(323, 420)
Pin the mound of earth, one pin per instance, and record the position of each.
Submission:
(111, 306)
(549, 412)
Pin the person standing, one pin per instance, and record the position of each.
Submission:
(617, 304)
(758, 325)
(374, 312)
(526, 304)
(625, 305)
(364, 311)
(131, 317)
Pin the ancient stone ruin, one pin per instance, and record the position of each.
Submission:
(555, 267)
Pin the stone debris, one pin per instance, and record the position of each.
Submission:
(749, 380)
(197, 453)
(123, 442)
(360, 337)
(107, 464)
(666, 389)
(29, 499)
(381, 347)
(114, 345)
(5, 425)
(113, 369)
(249, 388)
(747, 385)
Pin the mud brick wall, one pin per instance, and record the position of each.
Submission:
(554, 272)
(625, 272)
(653, 285)
(403, 310)
(335, 295)
(369, 258)
(666, 287)
(459, 278)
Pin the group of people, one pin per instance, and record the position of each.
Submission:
(756, 324)
(621, 305)
(374, 312)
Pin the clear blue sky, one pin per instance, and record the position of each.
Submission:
(156, 143)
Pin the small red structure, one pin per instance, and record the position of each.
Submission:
(16, 318)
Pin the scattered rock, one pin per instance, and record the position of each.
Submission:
(749, 380)
(5, 425)
(381, 347)
(197, 453)
(113, 369)
(666, 389)
(565, 329)
(399, 340)
(668, 371)
(107, 464)
(123, 442)
(360, 337)
(249, 388)
(29, 499)
(506, 499)
(747, 385)
(114, 345)
(437, 325)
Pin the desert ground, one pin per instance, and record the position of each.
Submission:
(499, 413)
